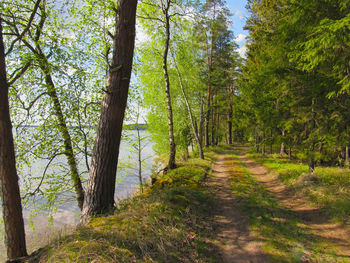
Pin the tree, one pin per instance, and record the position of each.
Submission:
(212, 25)
(295, 81)
(12, 207)
(165, 16)
(165, 7)
(37, 47)
(101, 182)
(195, 130)
(209, 51)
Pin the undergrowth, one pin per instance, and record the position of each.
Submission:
(166, 223)
(328, 188)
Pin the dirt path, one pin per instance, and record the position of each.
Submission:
(335, 234)
(234, 239)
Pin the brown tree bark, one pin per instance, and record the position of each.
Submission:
(201, 122)
(271, 142)
(207, 118)
(213, 121)
(263, 144)
(100, 189)
(217, 127)
(12, 208)
(347, 164)
(229, 121)
(311, 161)
(290, 153)
(256, 140)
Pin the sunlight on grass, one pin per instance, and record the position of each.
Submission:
(167, 223)
(328, 188)
(286, 239)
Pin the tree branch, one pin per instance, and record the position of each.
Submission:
(21, 35)
(20, 72)
(151, 18)
(37, 189)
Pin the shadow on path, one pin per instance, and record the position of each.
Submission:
(233, 235)
(288, 221)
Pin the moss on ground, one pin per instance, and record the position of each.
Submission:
(169, 222)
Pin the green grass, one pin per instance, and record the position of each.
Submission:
(167, 223)
(285, 238)
(328, 188)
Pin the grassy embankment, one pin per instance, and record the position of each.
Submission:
(286, 238)
(166, 223)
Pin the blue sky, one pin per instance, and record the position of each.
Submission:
(239, 16)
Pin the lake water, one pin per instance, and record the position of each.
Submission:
(42, 228)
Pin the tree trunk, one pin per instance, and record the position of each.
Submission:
(62, 126)
(311, 162)
(213, 121)
(229, 126)
(263, 144)
(172, 150)
(200, 128)
(283, 148)
(217, 128)
(139, 151)
(11, 200)
(187, 153)
(271, 143)
(347, 161)
(290, 153)
(256, 140)
(210, 69)
(67, 140)
(189, 110)
(101, 182)
(230, 115)
(207, 118)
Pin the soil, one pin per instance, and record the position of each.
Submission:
(236, 241)
(233, 236)
(315, 219)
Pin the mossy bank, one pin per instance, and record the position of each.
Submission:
(169, 222)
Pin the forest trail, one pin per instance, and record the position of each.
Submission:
(335, 235)
(233, 236)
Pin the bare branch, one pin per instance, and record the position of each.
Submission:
(151, 18)
(41, 25)
(31, 104)
(150, 4)
(110, 34)
(19, 73)
(21, 35)
(37, 189)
